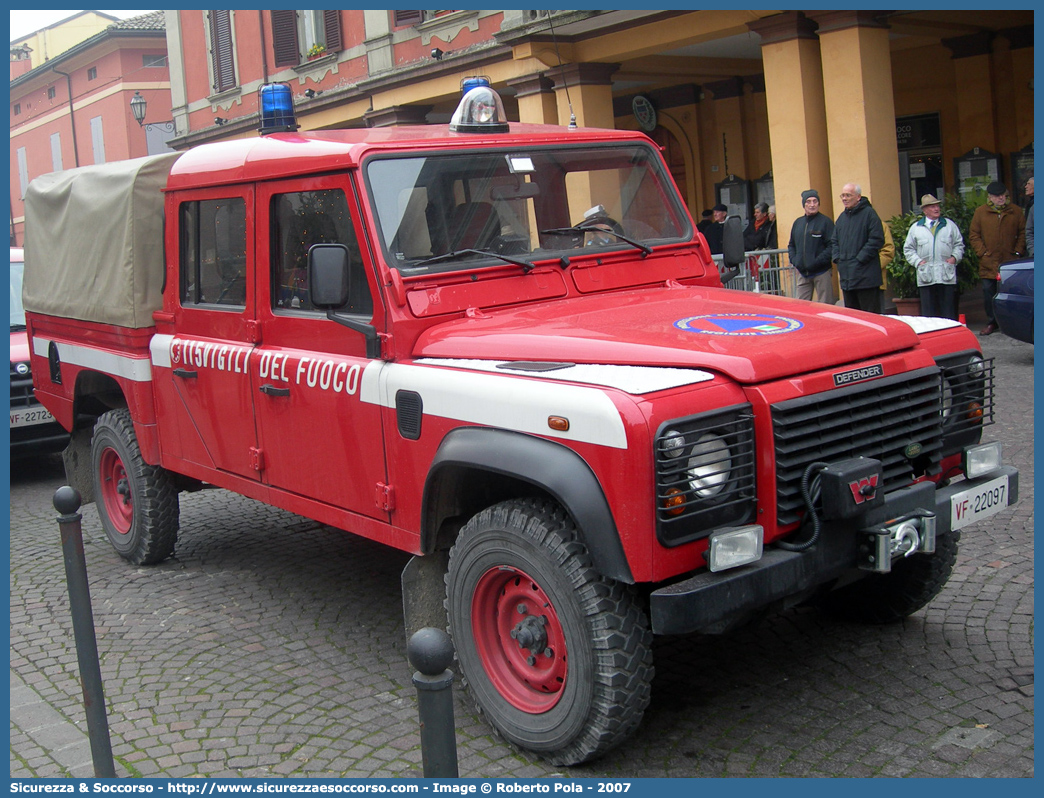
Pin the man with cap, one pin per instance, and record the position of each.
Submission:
(706, 220)
(998, 235)
(934, 246)
(810, 251)
(856, 249)
(715, 232)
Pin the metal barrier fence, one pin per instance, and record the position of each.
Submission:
(766, 271)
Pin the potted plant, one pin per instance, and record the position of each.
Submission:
(316, 51)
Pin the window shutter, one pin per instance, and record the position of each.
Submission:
(408, 17)
(284, 38)
(332, 28)
(221, 50)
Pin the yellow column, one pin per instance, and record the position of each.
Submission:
(537, 103)
(860, 106)
(731, 123)
(974, 78)
(796, 115)
(587, 89)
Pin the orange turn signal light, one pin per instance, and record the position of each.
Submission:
(674, 502)
(558, 423)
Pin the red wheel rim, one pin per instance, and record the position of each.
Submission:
(519, 639)
(115, 490)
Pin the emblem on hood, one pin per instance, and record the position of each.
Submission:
(742, 324)
(858, 375)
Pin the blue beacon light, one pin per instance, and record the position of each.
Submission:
(480, 110)
(276, 103)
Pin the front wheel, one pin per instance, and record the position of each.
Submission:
(887, 598)
(555, 655)
(137, 502)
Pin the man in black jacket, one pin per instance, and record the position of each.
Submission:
(809, 247)
(855, 247)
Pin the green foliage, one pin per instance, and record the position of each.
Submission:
(902, 276)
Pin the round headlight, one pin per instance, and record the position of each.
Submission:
(710, 463)
(976, 367)
(673, 444)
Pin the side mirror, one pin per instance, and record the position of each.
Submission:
(328, 276)
(732, 243)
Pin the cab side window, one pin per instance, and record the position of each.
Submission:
(213, 252)
(299, 221)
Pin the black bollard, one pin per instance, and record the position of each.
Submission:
(67, 502)
(430, 651)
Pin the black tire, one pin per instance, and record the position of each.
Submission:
(887, 598)
(585, 688)
(137, 502)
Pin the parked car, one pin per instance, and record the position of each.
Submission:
(1013, 305)
(34, 431)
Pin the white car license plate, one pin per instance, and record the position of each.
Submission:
(30, 417)
(970, 506)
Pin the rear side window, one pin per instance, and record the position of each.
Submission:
(300, 220)
(213, 252)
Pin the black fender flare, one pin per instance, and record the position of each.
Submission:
(549, 466)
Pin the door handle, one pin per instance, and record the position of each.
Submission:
(271, 390)
(185, 374)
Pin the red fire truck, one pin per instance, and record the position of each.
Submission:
(505, 349)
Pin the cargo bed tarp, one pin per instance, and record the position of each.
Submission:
(94, 242)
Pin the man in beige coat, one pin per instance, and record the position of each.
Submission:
(998, 235)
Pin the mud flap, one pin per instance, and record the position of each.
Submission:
(424, 591)
(77, 459)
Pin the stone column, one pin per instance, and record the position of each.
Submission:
(588, 88)
(860, 106)
(974, 78)
(537, 102)
(796, 115)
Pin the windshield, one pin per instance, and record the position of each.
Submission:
(530, 204)
(17, 313)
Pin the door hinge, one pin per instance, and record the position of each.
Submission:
(385, 497)
(253, 331)
(257, 459)
(387, 346)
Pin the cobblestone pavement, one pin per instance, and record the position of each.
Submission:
(273, 646)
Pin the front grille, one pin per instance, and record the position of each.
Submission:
(705, 474)
(21, 390)
(967, 393)
(896, 420)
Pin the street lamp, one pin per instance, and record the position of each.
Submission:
(137, 105)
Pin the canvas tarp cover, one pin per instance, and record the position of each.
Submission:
(94, 242)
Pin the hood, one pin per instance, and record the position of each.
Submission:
(748, 337)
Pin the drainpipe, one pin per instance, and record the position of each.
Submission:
(264, 53)
(72, 116)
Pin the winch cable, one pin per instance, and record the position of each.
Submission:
(810, 492)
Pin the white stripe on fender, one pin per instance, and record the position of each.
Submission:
(630, 379)
(136, 369)
(508, 402)
(159, 347)
(926, 324)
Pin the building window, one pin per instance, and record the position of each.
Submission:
(154, 60)
(56, 152)
(222, 60)
(17, 109)
(50, 92)
(23, 171)
(407, 18)
(300, 35)
(92, 73)
(98, 140)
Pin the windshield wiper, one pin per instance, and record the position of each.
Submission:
(580, 228)
(525, 264)
(18, 328)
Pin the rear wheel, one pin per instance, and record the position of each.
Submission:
(137, 502)
(886, 598)
(556, 656)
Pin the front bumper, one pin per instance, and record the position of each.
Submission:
(710, 601)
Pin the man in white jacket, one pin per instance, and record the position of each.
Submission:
(934, 246)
